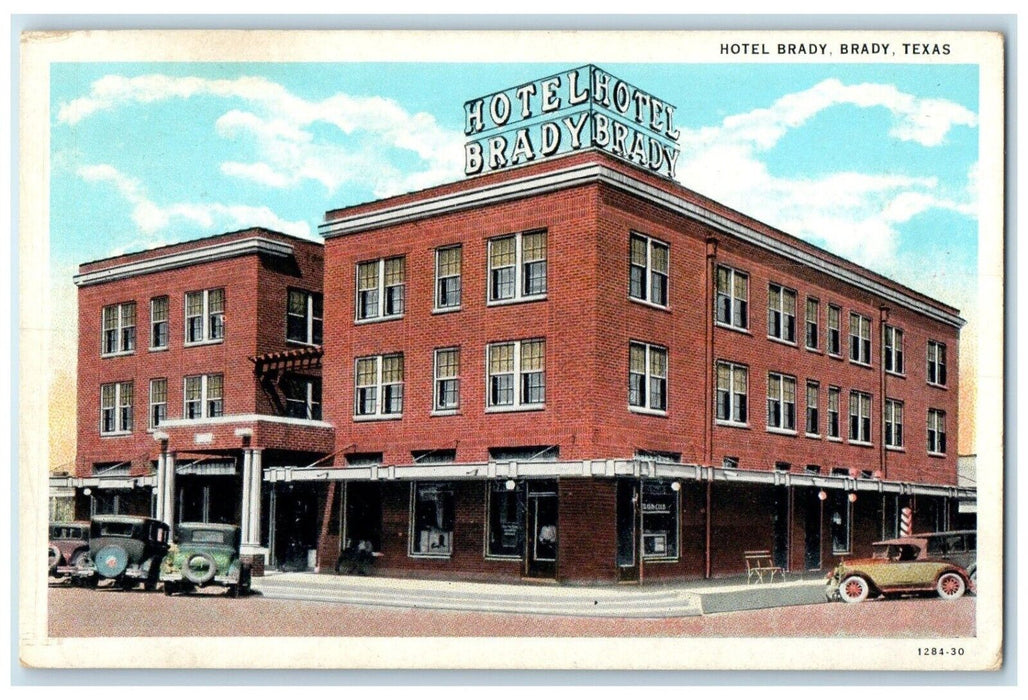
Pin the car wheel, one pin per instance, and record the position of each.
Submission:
(80, 559)
(950, 586)
(169, 588)
(854, 589)
(53, 558)
(200, 568)
(233, 591)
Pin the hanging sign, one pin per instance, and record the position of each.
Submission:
(582, 108)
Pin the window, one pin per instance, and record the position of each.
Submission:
(205, 316)
(304, 314)
(647, 377)
(158, 323)
(839, 507)
(447, 278)
(733, 293)
(813, 419)
(660, 510)
(648, 270)
(379, 387)
(936, 363)
(380, 289)
(116, 408)
(505, 513)
(834, 330)
(302, 396)
(893, 423)
(893, 350)
(860, 339)
(447, 380)
(119, 328)
(731, 393)
(936, 431)
(444, 456)
(834, 393)
(517, 267)
(781, 402)
(517, 374)
(781, 313)
(203, 396)
(813, 316)
(860, 417)
(431, 519)
(158, 401)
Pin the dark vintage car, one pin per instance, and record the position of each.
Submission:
(68, 549)
(897, 566)
(125, 549)
(205, 554)
(957, 546)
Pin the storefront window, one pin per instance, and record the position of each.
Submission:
(432, 510)
(660, 520)
(506, 537)
(840, 524)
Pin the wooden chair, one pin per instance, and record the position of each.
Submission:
(760, 563)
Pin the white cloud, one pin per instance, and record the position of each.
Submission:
(375, 134)
(153, 218)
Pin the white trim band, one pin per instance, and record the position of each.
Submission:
(247, 418)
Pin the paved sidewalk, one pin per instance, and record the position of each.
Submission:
(652, 600)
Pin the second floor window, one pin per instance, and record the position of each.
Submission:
(647, 377)
(158, 401)
(893, 350)
(381, 288)
(812, 322)
(205, 316)
(517, 267)
(860, 417)
(860, 339)
(517, 374)
(936, 431)
(834, 330)
(447, 277)
(379, 387)
(781, 313)
(648, 270)
(447, 380)
(119, 328)
(731, 393)
(813, 417)
(893, 423)
(733, 293)
(833, 412)
(203, 396)
(936, 363)
(158, 323)
(781, 402)
(304, 322)
(116, 408)
(302, 396)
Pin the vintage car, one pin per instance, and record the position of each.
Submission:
(205, 554)
(69, 548)
(957, 546)
(126, 549)
(896, 567)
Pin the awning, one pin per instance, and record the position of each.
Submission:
(307, 357)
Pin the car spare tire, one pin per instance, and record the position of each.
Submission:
(111, 561)
(53, 557)
(199, 568)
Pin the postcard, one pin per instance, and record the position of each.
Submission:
(511, 350)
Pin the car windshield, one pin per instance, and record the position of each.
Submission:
(113, 529)
(895, 552)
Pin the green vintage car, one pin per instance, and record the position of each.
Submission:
(205, 554)
(896, 567)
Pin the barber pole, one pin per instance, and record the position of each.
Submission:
(906, 517)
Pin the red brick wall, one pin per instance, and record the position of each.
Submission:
(587, 530)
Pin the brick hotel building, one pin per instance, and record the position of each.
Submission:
(573, 369)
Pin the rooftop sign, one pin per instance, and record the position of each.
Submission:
(585, 107)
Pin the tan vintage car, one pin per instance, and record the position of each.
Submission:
(896, 567)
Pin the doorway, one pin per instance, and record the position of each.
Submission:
(363, 516)
(294, 530)
(541, 528)
(811, 530)
(627, 521)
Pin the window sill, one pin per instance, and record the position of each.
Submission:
(860, 443)
(377, 319)
(782, 431)
(659, 560)
(650, 304)
(736, 329)
(123, 353)
(732, 424)
(937, 454)
(812, 436)
(938, 386)
(514, 409)
(515, 300)
(446, 310)
(445, 412)
(860, 364)
(163, 348)
(497, 557)
(119, 434)
(200, 343)
(899, 375)
(834, 439)
(782, 341)
(364, 419)
(303, 343)
(647, 411)
(835, 356)
(412, 555)
(816, 351)
(893, 448)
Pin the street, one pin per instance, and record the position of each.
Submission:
(107, 612)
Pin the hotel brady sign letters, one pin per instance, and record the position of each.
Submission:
(578, 109)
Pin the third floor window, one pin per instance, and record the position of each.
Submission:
(860, 339)
(733, 294)
(647, 377)
(781, 313)
(648, 270)
(380, 289)
(119, 328)
(517, 267)
(158, 323)
(304, 317)
(205, 316)
(447, 278)
(936, 363)
(893, 350)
